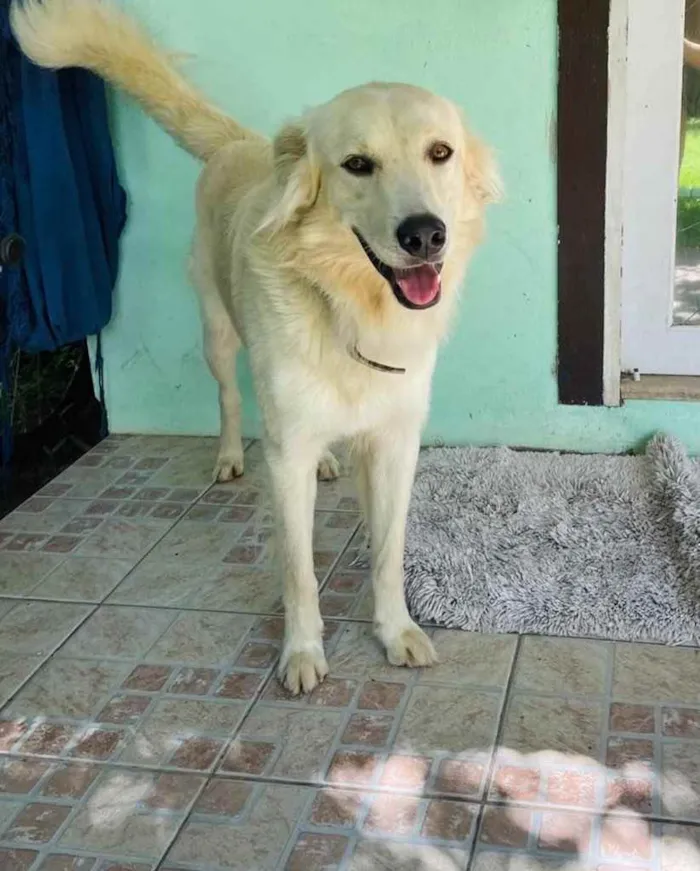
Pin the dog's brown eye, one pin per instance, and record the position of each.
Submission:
(440, 152)
(358, 164)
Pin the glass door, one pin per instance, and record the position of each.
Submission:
(660, 189)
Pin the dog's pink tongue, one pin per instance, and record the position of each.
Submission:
(420, 285)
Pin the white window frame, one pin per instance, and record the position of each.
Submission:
(645, 92)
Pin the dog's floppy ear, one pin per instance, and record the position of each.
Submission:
(298, 177)
(481, 170)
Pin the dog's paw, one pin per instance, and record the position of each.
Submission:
(228, 467)
(301, 670)
(328, 467)
(409, 646)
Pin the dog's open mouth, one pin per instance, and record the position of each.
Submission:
(416, 288)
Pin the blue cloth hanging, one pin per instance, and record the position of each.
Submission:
(59, 189)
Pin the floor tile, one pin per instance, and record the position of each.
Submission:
(300, 741)
(563, 665)
(144, 687)
(42, 515)
(22, 572)
(470, 658)
(239, 824)
(71, 813)
(631, 751)
(126, 514)
(680, 848)
(527, 840)
(229, 536)
(14, 670)
(347, 591)
(542, 723)
(17, 860)
(356, 653)
(569, 719)
(203, 638)
(7, 605)
(8, 811)
(195, 541)
(654, 725)
(119, 632)
(124, 537)
(130, 815)
(680, 780)
(253, 488)
(647, 672)
(191, 467)
(211, 587)
(370, 724)
(68, 688)
(37, 628)
(83, 579)
(82, 482)
(113, 719)
(466, 725)
(565, 743)
(161, 446)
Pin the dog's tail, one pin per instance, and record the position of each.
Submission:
(97, 36)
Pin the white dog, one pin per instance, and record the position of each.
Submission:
(334, 254)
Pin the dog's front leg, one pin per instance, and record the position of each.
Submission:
(293, 473)
(390, 459)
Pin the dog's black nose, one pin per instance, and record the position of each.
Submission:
(422, 235)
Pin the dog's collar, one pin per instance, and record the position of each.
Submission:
(358, 357)
(379, 367)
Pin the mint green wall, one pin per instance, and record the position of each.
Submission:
(268, 60)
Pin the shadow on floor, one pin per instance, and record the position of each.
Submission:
(56, 419)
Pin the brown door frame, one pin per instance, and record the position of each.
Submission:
(582, 129)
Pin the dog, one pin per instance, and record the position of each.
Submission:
(334, 254)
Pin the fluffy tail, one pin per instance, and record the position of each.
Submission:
(98, 36)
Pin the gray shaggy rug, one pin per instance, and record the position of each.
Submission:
(511, 541)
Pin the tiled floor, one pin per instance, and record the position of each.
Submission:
(142, 727)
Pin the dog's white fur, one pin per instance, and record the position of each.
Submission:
(279, 269)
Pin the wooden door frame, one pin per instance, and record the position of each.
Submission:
(582, 166)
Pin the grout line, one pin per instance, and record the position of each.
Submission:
(94, 608)
(296, 831)
(362, 789)
(252, 702)
(131, 500)
(214, 771)
(374, 788)
(508, 692)
(336, 562)
(607, 774)
(154, 606)
(48, 657)
(593, 813)
(222, 668)
(169, 528)
(491, 769)
(180, 828)
(79, 804)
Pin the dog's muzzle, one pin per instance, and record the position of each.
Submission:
(416, 288)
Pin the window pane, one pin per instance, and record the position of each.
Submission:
(686, 300)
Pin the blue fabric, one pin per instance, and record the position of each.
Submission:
(59, 189)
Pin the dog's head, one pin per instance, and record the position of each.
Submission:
(381, 192)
